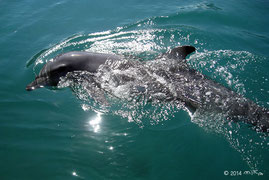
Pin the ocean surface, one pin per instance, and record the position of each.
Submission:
(63, 134)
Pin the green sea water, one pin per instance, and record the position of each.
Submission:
(56, 134)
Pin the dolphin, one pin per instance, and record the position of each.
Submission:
(194, 89)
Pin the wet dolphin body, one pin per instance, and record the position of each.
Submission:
(192, 88)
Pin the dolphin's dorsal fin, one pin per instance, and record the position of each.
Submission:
(180, 52)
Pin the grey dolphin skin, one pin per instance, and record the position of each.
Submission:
(192, 88)
(51, 73)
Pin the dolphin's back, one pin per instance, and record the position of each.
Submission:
(201, 92)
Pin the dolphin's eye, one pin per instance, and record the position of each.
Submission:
(59, 71)
(62, 69)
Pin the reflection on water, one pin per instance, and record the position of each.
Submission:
(74, 173)
(95, 122)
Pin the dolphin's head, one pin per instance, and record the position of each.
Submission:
(49, 75)
(52, 72)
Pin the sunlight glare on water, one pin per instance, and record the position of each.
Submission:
(95, 122)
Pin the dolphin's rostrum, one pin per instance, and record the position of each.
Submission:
(191, 87)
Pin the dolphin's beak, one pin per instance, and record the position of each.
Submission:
(39, 82)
